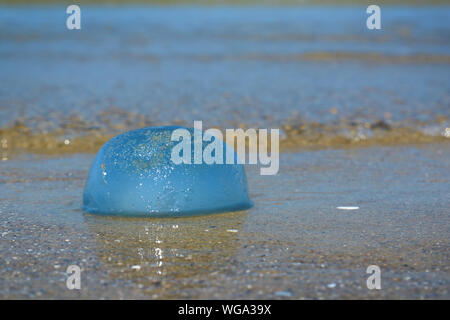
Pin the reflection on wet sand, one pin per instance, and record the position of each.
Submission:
(149, 251)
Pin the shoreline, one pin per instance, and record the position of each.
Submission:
(304, 137)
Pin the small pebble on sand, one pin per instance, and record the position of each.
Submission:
(283, 294)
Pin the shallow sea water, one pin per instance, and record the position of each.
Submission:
(261, 67)
(251, 65)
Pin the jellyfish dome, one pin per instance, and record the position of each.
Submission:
(133, 174)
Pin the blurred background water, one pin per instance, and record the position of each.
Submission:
(258, 66)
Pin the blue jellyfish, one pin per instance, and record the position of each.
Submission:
(133, 174)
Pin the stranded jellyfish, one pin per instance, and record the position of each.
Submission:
(146, 173)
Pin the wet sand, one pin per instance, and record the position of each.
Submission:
(293, 244)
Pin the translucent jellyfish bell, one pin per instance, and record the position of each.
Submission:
(133, 175)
